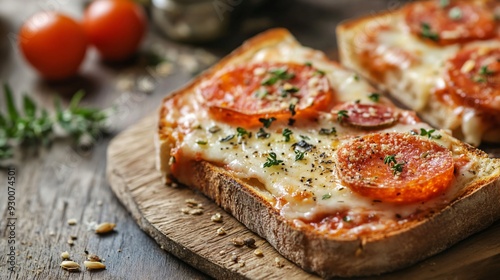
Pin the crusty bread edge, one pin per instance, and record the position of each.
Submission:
(329, 257)
(318, 253)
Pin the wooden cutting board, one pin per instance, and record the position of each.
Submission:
(193, 238)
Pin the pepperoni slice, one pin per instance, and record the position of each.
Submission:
(473, 78)
(457, 22)
(366, 115)
(395, 167)
(244, 94)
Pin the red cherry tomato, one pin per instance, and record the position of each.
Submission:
(115, 27)
(53, 43)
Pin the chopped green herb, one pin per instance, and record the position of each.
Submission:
(308, 64)
(241, 131)
(201, 142)
(267, 122)
(428, 33)
(390, 159)
(341, 115)
(305, 137)
(214, 129)
(455, 13)
(287, 133)
(271, 160)
(292, 109)
(347, 219)
(428, 133)
(277, 75)
(227, 138)
(326, 131)
(326, 196)
(397, 168)
(262, 133)
(356, 77)
(299, 155)
(484, 71)
(375, 97)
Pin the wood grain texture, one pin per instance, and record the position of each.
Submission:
(157, 209)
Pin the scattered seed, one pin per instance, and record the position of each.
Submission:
(73, 237)
(99, 202)
(52, 233)
(185, 210)
(217, 217)
(192, 202)
(242, 264)
(196, 212)
(249, 242)
(70, 266)
(91, 265)
(93, 258)
(119, 250)
(221, 231)
(65, 255)
(71, 242)
(222, 252)
(234, 258)
(238, 242)
(278, 263)
(258, 253)
(105, 228)
(72, 222)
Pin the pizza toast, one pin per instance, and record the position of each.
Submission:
(438, 58)
(309, 156)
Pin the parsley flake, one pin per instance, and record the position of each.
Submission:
(286, 133)
(277, 75)
(272, 160)
(299, 155)
(428, 33)
(326, 196)
(292, 109)
(375, 97)
(262, 133)
(267, 122)
(241, 131)
(201, 142)
(428, 133)
(390, 159)
(341, 115)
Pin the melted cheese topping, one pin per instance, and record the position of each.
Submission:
(414, 82)
(301, 189)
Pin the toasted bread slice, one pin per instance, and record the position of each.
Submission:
(282, 179)
(414, 69)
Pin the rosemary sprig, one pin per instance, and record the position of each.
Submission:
(31, 126)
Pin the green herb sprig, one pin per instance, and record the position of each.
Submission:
(272, 160)
(32, 126)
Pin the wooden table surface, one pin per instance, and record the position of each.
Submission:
(63, 182)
